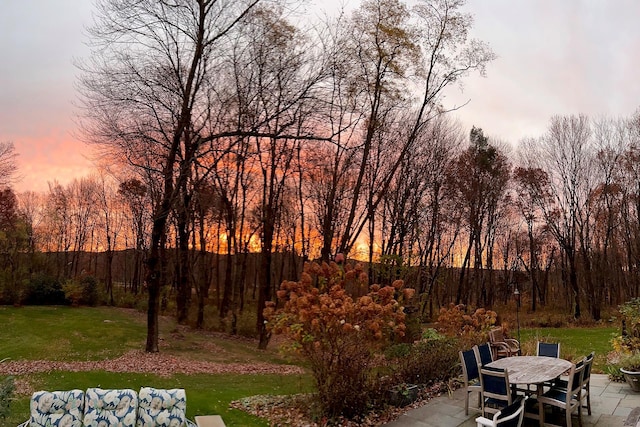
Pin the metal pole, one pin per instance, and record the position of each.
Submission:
(516, 293)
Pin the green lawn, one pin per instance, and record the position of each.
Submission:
(80, 334)
(65, 333)
(206, 394)
(574, 342)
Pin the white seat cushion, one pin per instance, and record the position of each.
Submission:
(116, 407)
(57, 408)
(162, 408)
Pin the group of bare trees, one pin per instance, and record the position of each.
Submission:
(582, 184)
(237, 99)
(235, 128)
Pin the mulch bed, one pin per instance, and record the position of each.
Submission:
(294, 411)
(142, 362)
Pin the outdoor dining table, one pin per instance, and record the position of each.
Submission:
(534, 370)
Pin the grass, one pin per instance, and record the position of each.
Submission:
(206, 394)
(65, 333)
(79, 334)
(575, 342)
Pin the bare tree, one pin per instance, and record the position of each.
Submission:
(630, 212)
(281, 78)
(31, 209)
(135, 203)
(393, 54)
(58, 227)
(532, 190)
(13, 241)
(82, 201)
(565, 154)
(111, 222)
(8, 167)
(146, 91)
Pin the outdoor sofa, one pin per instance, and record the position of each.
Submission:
(96, 407)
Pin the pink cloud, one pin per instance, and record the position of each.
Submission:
(56, 156)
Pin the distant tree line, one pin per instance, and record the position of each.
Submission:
(230, 128)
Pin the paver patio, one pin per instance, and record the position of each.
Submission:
(612, 405)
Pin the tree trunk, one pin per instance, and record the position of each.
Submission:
(153, 279)
(264, 294)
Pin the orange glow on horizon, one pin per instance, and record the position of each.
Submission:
(53, 157)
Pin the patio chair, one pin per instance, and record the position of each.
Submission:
(548, 349)
(501, 345)
(585, 393)
(511, 416)
(496, 390)
(471, 376)
(568, 399)
(483, 353)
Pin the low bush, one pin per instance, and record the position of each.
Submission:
(84, 292)
(44, 290)
(90, 292)
(469, 328)
(612, 368)
(7, 388)
(9, 293)
(128, 299)
(429, 361)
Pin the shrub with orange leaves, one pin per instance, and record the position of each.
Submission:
(454, 321)
(336, 332)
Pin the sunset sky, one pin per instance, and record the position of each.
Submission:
(554, 57)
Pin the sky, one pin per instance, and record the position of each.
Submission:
(553, 58)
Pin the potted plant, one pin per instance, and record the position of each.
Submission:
(403, 394)
(630, 368)
(624, 361)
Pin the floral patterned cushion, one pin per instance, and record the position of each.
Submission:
(57, 408)
(116, 407)
(162, 408)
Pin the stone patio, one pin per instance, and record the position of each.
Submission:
(613, 404)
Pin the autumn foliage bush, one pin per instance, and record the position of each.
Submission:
(338, 334)
(454, 321)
